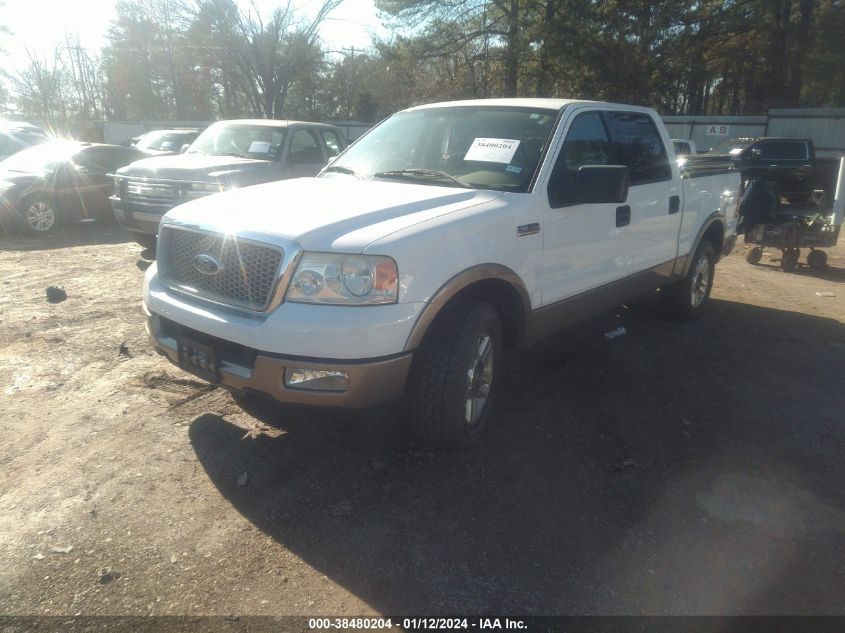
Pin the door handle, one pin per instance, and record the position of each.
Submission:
(674, 204)
(623, 215)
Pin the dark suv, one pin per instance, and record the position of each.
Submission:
(226, 155)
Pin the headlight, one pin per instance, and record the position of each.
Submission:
(344, 279)
(116, 187)
(208, 187)
(202, 189)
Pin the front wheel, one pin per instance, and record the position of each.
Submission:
(39, 216)
(686, 299)
(148, 242)
(455, 375)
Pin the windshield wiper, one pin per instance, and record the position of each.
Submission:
(414, 174)
(341, 170)
(238, 154)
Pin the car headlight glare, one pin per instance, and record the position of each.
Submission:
(337, 278)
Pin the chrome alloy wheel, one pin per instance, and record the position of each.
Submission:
(479, 380)
(40, 216)
(700, 280)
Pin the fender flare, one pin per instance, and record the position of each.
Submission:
(459, 283)
(710, 220)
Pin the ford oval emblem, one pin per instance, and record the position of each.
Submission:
(207, 264)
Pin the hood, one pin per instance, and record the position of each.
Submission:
(338, 213)
(189, 166)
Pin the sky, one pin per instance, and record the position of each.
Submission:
(41, 24)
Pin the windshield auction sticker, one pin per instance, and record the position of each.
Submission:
(259, 147)
(492, 150)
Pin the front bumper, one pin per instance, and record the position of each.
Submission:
(145, 222)
(371, 382)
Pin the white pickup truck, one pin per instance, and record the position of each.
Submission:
(445, 235)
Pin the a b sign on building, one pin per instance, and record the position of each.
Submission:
(717, 130)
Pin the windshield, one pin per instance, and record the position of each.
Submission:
(41, 157)
(731, 147)
(482, 147)
(165, 141)
(263, 142)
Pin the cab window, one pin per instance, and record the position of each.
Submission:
(637, 144)
(586, 143)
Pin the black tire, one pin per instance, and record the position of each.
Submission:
(38, 215)
(688, 298)
(449, 371)
(754, 255)
(148, 242)
(789, 261)
(817, 259)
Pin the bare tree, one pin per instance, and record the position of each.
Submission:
(265, 57)
(39, 88)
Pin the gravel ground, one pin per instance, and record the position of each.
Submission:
(679, 469)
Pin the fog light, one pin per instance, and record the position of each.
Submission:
(316, 379)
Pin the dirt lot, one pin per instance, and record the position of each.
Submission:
(678, 469)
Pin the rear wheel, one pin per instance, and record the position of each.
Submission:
(39, 216)
(686, 299)
(455, 375)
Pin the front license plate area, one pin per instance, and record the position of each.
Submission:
(199, 359)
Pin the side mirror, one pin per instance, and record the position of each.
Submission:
(184, 148)
(594, 184)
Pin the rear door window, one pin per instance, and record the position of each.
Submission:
(795, 150)
(305, 148)
(107, 159)
(332, 142)
(637, 144)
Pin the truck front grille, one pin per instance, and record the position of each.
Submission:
(221, 268)
(151, 193)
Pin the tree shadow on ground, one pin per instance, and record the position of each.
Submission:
(675, 469)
